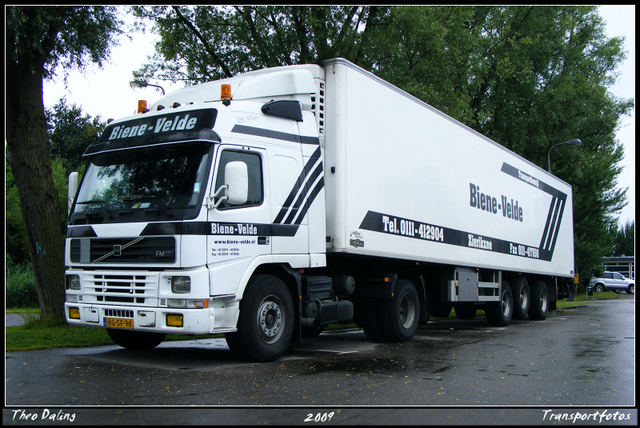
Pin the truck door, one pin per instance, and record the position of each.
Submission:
(239, 232)
(289, 189)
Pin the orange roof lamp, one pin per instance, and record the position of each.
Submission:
(225, 94)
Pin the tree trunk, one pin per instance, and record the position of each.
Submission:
(31, 167)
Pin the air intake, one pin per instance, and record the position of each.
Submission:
(285, 108)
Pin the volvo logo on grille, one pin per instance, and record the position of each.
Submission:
(117, 250)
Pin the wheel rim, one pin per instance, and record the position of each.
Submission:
(506, 305)
(544, 300)
(271, 319)
(407, 311)
(524, 298)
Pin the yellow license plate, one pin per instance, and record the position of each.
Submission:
(118, 323)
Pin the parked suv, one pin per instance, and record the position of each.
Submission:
(613, 281)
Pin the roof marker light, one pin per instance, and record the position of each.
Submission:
(225, 94)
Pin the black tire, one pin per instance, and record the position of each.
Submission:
(136, 340)
(499, 313)
(599, 288)
(368, 319)
(521, 298)
(539, 301)
(631, 289)
(266, 322)
(465, 311)
(400, 315)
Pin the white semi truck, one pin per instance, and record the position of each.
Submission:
(269, 205)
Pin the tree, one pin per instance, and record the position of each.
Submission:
(527, 77)
(204, 43)
(70, 132)
(38, 40)
(624, 239)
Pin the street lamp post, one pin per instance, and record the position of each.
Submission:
(575, 142)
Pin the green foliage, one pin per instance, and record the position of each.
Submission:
(62, 35)
(202, 43)
(623, 239)
(20, 285)
(70, 133)
(16, 244)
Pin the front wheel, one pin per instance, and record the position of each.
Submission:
(266, 322)
(136, 340)
(499, 313)
(400, 315)
(631, 289)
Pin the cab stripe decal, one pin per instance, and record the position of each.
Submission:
(308, 176)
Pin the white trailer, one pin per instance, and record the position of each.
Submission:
(269, 205)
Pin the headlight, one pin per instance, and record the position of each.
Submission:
(73, 282)
(181, 284)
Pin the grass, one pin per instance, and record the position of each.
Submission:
(34, 334)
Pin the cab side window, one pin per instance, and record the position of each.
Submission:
(254, 169)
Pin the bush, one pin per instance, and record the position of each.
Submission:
(20, 286)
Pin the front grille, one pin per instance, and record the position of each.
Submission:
(119, 313)
(121, 289)
(128, 250)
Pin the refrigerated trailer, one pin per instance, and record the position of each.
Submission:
(269, 205)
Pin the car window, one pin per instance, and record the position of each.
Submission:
(616, 275)
(607, 275)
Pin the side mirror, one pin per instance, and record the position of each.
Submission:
(235, 189)
(72, 190)
(236, 177)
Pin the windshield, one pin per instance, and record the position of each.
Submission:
(161, 182)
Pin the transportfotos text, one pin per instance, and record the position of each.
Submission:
(597, 416)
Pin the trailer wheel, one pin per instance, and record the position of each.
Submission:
(399, 316)
(539, 301)
(266, 322)
(521, 298)
(465, 311)
(499, 313)
(136, 340)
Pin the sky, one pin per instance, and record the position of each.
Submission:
(106, 93)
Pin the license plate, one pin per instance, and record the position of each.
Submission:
(118, 323)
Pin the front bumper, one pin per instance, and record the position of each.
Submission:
(219, 317)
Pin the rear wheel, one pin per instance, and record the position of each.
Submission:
(499, 313)
(399, 316)
(266, 322)
(539, 301)
(599, 288)
(136, 340)
(521, 298)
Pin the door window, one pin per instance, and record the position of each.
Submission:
(254, 169)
